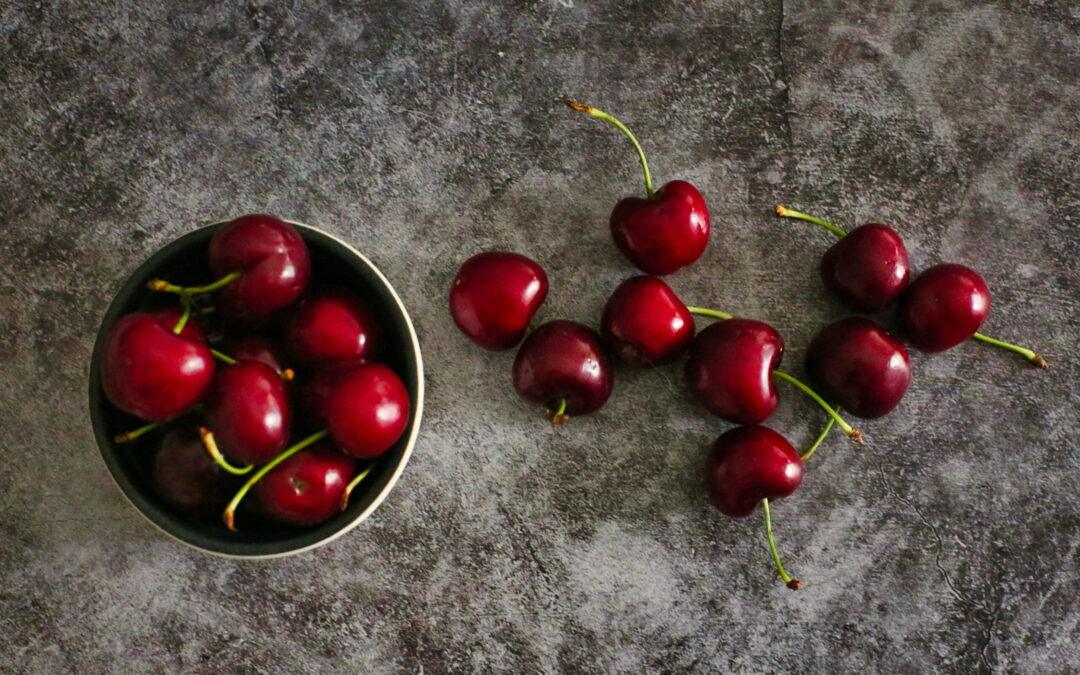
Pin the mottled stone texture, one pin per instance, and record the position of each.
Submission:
(423, 132)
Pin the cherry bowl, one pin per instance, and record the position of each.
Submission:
(334, 264)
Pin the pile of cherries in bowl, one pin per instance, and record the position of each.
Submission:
(854, 365)
(265, 381)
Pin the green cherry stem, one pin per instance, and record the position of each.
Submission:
(714, 313)
(601, 115)
(165, 287)
(129, 436)
(224, 358)
(210, 444)
(793, 584)
(559, 416)
(229, 516)
(1022, 351)
(352, 484)
(854, 433)
(784, 212)
(179, 327)
(805, 457)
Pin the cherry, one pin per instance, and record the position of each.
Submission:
(185, 477)
(366, 410)
(859, 366)
(152, 371)
(944, 306)
(645, 323)
(332, 326)
(564, 366)
(248, 412)
(494, 297)
(307, 488)
(867, 269)
(667, 230)
(258, 349)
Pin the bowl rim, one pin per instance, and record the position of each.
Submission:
(410, 442)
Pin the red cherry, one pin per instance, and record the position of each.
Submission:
(318, 387)
(748, 464)
(185, 476)
(859, 366)
(332, 326)
(271, 259)
(730, 369)
(255, 348)
(944, 306)
(366, 410)
(494, 297)
(645, 323)
(306, 488)
(564, 366)
(868, 268)
(152, 373)
(248, 412)
(665, 232)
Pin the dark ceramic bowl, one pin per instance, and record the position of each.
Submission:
(184, 261)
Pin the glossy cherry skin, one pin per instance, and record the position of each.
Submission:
(187, 478)
(248, 410)
(748, 464)
(729, 370)
(564, 360)
(857, 365)
(645, 323)
(944, 306)
(665, 232)
(149, 372)
(332, 326)
(254, 348)
(366, 409)
(868, 268)
(306, 488)
(494, 297)
(273, 260)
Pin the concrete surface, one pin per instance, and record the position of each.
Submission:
(423, 132)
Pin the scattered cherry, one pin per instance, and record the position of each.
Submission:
(943, 307)
(494, 297)
(645, 323)
(859, 366)
(564, 366)
(307, 488)
(332, 326)
(248, 412)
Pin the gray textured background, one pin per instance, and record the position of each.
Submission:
(424, 132)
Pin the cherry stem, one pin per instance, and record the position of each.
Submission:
(224, 358)
(210, 444)
(288, 374)
(206, 310)
(793, 584)
(352, 484)
(230, 511)
(129, 436)
(805, 457)
(601, 115)
(784, 212)
(714, 313)
(854, 433)
(559, 415)
(1022, 351)
(165, 287)
(179, 327)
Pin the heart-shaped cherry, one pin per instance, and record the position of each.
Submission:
(867, 269)
(748, 465)
(645, 323)
(150, 371)
(185, 477)
(494, 297)
(859, 366)
(332, 326)
(248, 412)
(667, 230)
(308, 487)
(564, 366)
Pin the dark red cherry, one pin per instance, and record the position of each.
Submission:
(152, 373)
(494, 297)
(665, 232)
(306, 488)
(317, 387)
(248, 412)
(867, 269)
(645, 323)
(332, 326)
(564, 366)
(366, 409)
(254, 348)
(944, 306)
(748, 464)
(858, 365)
(273, 263)
(730, 367)
(186, 477)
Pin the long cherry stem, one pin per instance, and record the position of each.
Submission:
(352, 484)
(714, 313)
(129, 436)
(784, 212)
(229, 515)
(793, 584)
(165, 287)
(601, 115)
(179, 327)
(854, 433)
(805, 457)
(1022, 351)
(210, 443)
(224, 358)
(559, 416)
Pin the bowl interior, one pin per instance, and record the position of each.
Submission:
(184, 261)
